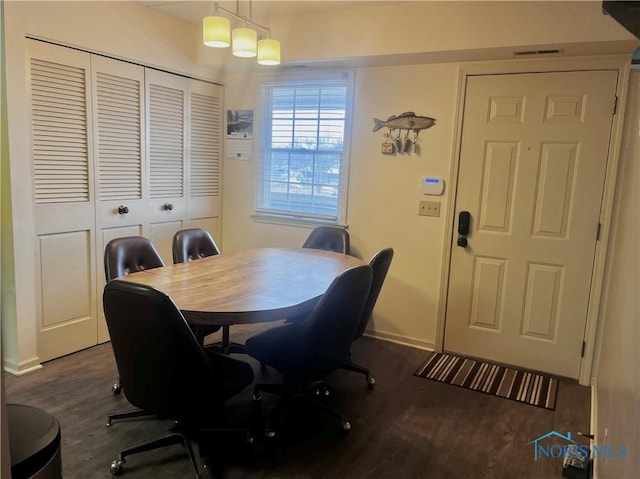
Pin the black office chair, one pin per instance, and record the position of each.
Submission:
(379, 266)
(305, 351)
(126, 255)
(130, 254)
(331, 238)
(165, 371)
(189, 245)
(193, 243)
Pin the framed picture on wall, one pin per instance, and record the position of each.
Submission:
(240, 124)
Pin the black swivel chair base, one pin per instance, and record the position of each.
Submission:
(175, 436)
(178, 434)
(289, 393)
(129, 414)
(349, 366)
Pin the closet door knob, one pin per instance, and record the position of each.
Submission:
(167, 207)
(122, 210)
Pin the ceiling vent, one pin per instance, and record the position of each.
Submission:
(536, 53)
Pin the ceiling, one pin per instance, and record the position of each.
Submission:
(193, 11)
(279, 13)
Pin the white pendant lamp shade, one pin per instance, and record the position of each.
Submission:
(269, 52)
(244, 42)
(216, 32)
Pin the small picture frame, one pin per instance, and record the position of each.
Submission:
(388, 147)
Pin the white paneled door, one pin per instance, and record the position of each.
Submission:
(119, 150)
(63, 204)
(532, 167)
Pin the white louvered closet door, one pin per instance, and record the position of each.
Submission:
(119, 151)
(62, 160)
(166, 125)
(204, 156)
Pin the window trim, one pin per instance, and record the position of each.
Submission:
(265, 215)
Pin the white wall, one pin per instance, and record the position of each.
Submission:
(383, 191)
(618, 376)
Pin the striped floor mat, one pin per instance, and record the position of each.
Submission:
(530, 388)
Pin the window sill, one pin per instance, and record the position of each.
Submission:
(293, 221)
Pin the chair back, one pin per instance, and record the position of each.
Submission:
(193, 243)
(330, 238)
(328, 331)
(163, 368)
(379, 266)
(128, 255)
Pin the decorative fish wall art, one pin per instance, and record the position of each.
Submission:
(407, 121)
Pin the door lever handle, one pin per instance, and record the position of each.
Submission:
(464, 223)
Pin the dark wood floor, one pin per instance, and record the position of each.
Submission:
(407, 427)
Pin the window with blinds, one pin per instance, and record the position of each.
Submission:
(302, 151)
(59, 128)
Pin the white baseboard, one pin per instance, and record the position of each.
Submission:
(22, 368)
(402, 340)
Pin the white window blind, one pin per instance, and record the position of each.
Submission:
(302, 148)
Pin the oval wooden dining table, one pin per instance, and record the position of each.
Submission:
(248, 286)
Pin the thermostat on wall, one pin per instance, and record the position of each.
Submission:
(432, 186)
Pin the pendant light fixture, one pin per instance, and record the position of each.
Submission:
(245, 42)
(217, 33)
(216, 30)
(268, 51)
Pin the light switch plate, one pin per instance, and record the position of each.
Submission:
(429, 208)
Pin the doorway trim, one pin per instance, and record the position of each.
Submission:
(621, 63)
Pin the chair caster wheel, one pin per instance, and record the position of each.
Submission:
(116, 467)
(270, 435)
(116, 388)
(322, 391)
(345, 427)
(371, 382)
(249, 440)
(256, 397)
